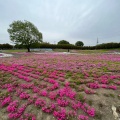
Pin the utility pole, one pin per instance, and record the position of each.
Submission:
(97, 41)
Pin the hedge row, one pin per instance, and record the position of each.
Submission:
(108, 46)
(65, 46)
(70, 46)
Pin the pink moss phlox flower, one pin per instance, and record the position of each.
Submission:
(19, 91)
(52, 81)
(40, 102)
(30, 101)
(62, 75)
(113, 77)
(18, 113)
(67, 91)
(5, 86)
(86, 108)
(22, 109)
(38, 73)
(27, 79)
(61, 92)
(56, 85)
(62, 79)
(104, 86)
(91, 112)
(93, 85)
(44, 85)
(34, 97)
(89, 91)
(46, 79)
(36, 89)
(70, 93)
(6, 101)
(53, 87)
(67, 84)
(86, 74)
(34, 76)
(24, 95)
(104, 81)
(43, 93)
(26, 86)
(49, 108)
(62, 102)
(114, 87)
(44, 72)
(72, 113)
(82, 117)
(14, 115)
(118, 83)
(75, 106)
(52, 95)
(12, 107)
(28, 116)
(11, 89)
(61, 114)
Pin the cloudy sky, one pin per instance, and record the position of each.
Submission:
(71, 20)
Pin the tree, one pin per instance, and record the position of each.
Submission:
(63, 42)
(79, 43)
(24, 33)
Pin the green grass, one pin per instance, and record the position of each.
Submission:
(60, 50)
(86, 51)
(71, 51)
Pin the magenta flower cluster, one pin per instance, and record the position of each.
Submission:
(12, 107)
(6, 101)
(40, 102)
(24, 95)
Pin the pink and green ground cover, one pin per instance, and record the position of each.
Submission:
(59, 87)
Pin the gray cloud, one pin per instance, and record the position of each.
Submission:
(65, 19)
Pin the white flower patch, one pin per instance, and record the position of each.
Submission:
(5, 55)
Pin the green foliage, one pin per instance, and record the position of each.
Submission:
(61, 46)
(6, 46)
(90, 102)
(81, 98)
(77, 82)
(106, 95)
(108, 45)
(112, 95)
(69, 74)
(63, 42)
(24, 33)
(79, 43)
(98, 116)
(73, 86)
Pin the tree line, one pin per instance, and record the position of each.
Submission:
(61, 46)
(26, 35)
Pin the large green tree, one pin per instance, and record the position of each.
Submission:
(63, 42)
(24, 33)
(79, 43)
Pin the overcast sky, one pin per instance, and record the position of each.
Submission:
(71, 20)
